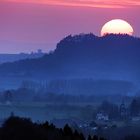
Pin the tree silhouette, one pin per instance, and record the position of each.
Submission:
(135, 107)
(16, 128)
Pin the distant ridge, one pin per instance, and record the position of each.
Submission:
(7, 57)
(84, 56)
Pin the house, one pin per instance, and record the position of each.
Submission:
(102, 117)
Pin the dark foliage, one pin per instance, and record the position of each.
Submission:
(16, 128)
(135, 107)
(132, 137)
(109, 108)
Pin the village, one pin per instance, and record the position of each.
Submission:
(102, 123)
(87, 118)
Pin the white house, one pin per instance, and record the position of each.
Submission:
(102, 117)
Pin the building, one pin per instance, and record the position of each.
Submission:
(102, 117)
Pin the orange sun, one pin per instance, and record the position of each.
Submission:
(117, 26)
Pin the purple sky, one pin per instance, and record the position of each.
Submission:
(27, 26)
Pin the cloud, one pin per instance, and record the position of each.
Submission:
(85, 3)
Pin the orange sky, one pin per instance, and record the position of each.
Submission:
(88, 3)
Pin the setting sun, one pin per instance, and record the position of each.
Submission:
(117, 26)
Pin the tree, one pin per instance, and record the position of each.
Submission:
(15, 128)
(89, 137)
(8, 95)
(135, 107)
(109, 108)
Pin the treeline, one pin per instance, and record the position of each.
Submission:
(16, 128)
(41, 95)
(70, 90)
(114, 110)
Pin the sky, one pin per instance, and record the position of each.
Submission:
(28, 25)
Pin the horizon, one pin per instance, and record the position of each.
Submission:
(52, 50)
(42, 24)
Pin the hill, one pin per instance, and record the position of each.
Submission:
(112, 57)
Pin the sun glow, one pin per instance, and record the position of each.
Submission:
(117, 26)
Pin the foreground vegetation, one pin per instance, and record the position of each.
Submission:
(16, 128)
